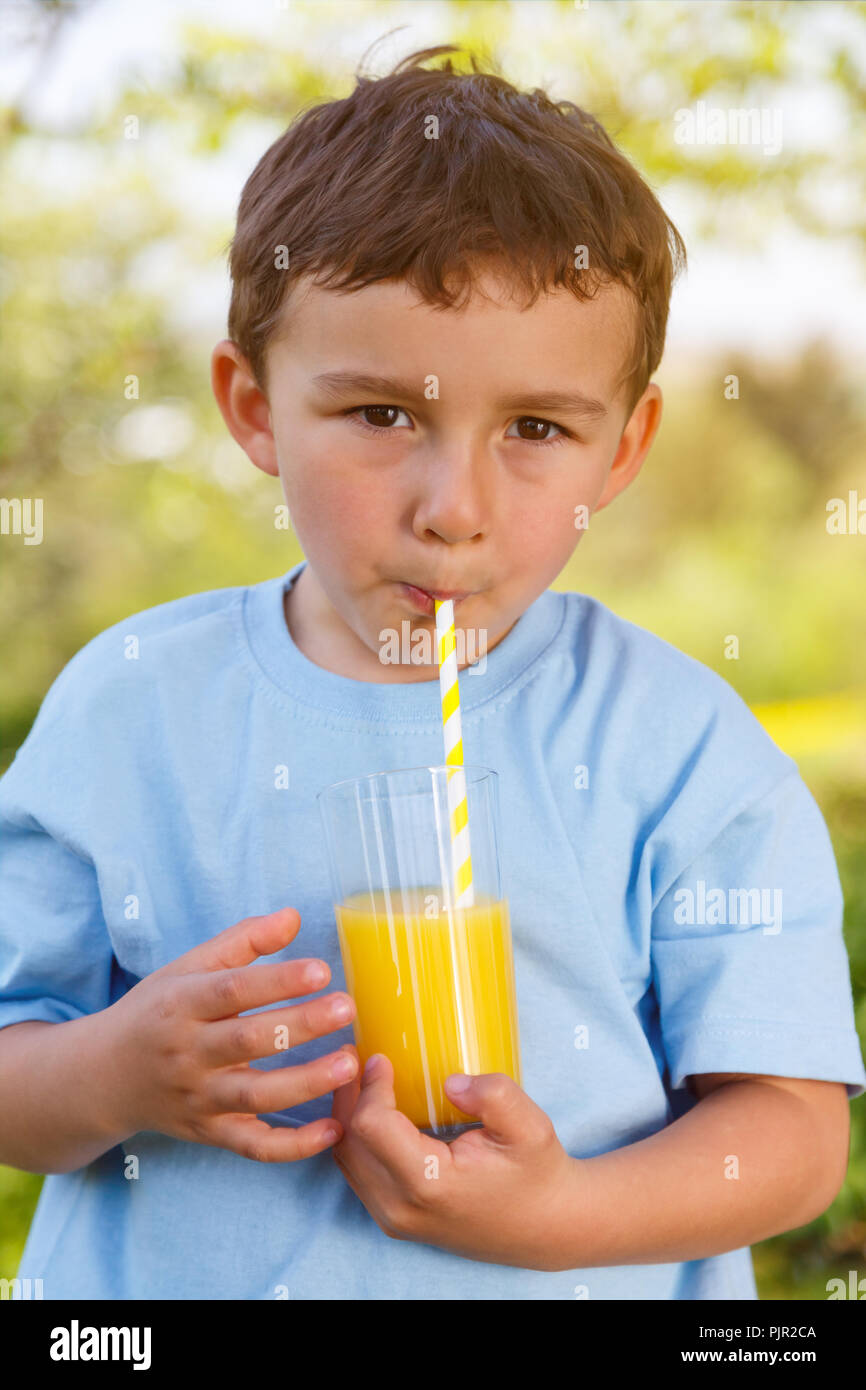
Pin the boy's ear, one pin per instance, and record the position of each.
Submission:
(634, 444)
(243, 405)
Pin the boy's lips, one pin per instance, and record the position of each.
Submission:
(425, 598)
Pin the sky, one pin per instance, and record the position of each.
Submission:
(771, 301)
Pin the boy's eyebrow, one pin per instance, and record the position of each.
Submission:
(384, 387)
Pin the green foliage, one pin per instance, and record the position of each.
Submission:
(19, 1193)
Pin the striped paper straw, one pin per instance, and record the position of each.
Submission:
(449, 689)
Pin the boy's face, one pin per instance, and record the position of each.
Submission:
(424, 446)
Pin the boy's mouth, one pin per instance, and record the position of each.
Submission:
(425, 598)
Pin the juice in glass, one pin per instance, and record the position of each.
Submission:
(434, 991)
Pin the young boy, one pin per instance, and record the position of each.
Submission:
(449, 298)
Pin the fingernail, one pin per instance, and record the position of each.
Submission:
(372, 1063)
(459, 1083)
(345, 1067)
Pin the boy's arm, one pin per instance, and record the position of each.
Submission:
(756, 1156)
(54, 1106)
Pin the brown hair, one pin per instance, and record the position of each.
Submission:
(357, 194)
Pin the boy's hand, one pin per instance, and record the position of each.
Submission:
(498, 1194)
(177, 1054)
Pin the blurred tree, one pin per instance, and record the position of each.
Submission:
(812, 406)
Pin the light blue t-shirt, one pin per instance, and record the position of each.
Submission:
(674, 901)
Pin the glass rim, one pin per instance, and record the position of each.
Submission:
(466, 768)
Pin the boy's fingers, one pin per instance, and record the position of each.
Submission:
(240, 944)
(385, 1131)
(232, 1040)
(346, 1096)
(246, 1090)
(253, 1138)
(225, 993)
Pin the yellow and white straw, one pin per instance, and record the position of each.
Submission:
(449, 690)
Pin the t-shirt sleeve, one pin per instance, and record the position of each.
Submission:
(56, 957)
(749, 962)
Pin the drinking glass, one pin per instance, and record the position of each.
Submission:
(433, 981)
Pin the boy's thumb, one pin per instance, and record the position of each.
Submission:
(502, 1106)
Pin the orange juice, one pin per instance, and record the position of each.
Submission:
(434, 991)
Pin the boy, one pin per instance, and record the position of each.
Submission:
(448, 301)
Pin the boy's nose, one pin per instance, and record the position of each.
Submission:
(453, 499)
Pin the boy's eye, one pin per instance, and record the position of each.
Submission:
(380, 416)
(383, 419)
(534, 429)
